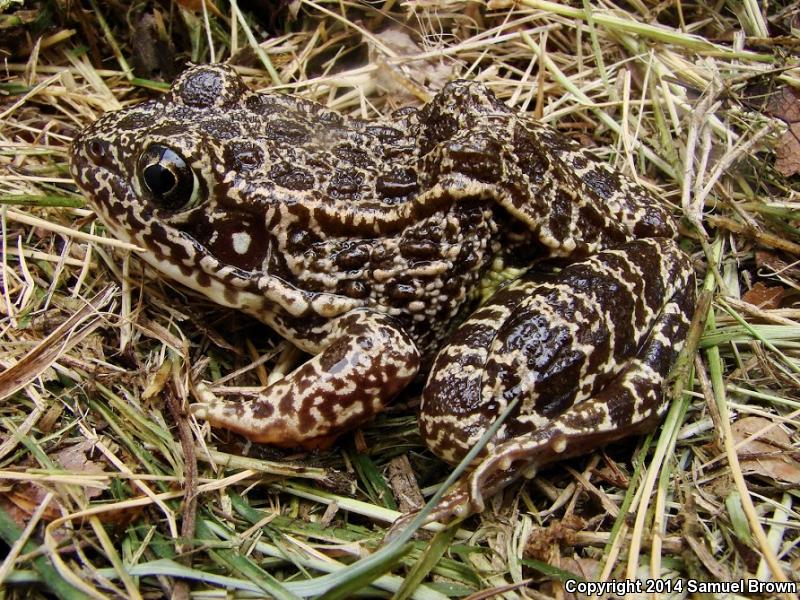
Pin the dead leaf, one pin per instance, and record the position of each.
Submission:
(693, 534)
(48, 421)
(153, 50)
(403, 79)
(404, 484)
(26, 498)
(561, 533)
(771, 263)
(587, 568)
(764, 297)
(76, 459)
(785, 105)
(768, 454)
(59, 342)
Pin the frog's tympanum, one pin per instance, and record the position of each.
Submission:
(366, 244)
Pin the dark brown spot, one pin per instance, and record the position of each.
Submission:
(115, 209)
(345, 184)
(220, 129)
(287, 132)
(354, 156)
(335, 356)
(330, 118)
(386, 135)
(354, 256)
(238, 241)
(291, 177)
(579, 162)
(419, 249)
(353, 288)
(300, 240)
(401, 292)
(468, 257)
(140, 117)
(452, 286)
(205, 87)
(262, 104)
(262, 409)
(602, 182)
(560, 215)
(244, 156)
(397, 184)
(654, 223)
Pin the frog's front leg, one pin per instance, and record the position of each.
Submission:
(369, 360)
(585, 351)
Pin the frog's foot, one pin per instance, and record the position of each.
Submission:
(636, 391)
(453, 504)
(456, 504)
(464, 501)
(369, 361)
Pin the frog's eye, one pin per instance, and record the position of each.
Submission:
(166, 176)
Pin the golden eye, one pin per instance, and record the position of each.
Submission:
(166, 176)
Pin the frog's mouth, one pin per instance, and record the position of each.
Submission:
(112, 191)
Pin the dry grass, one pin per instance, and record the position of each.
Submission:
(109, 490)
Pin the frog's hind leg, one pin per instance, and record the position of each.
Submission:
(636, 391)
(368, 362)
(632, 403)
(585, 351)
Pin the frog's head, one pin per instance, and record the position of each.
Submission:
(161, 173)
(189, 178)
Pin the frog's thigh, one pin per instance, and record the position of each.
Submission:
(368, 362)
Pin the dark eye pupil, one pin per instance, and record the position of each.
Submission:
(159, 180)
(166, 176)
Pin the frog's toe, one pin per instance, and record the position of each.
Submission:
(456, 504)
(476, 501)
(256, 420)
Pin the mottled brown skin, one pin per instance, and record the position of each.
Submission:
(364, 243)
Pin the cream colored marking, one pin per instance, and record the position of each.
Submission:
(559, 444)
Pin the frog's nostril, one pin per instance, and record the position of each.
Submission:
(98, 151)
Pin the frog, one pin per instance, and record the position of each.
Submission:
(367, 244)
